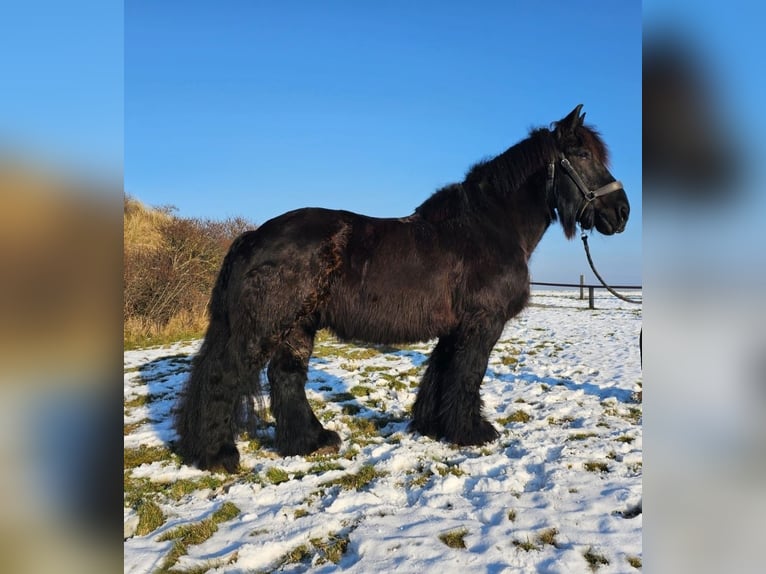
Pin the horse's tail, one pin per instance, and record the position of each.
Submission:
(222, 377)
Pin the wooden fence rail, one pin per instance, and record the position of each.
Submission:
(582, 287)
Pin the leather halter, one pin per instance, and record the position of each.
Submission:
(575, 177)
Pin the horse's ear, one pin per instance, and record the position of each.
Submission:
(571, 122)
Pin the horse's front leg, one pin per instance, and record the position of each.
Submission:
(449, 402)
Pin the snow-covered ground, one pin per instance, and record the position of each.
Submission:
(560, 491)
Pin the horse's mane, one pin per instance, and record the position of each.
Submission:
(505, 173)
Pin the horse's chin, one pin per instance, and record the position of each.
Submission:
(607, 227)
(586, 221)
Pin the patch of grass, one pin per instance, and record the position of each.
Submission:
(526, 545)
(362, 427)
(133, 457)
(512, 515)
(596, 466)
(357, 354)
(452, 469)
(300, 513)
(581, 435)
(411, 372)
(193, 534)
(420, 480)
(228, 511)
(375, 369)
(625, 438)
(132, 341)
(515, 417)
(454, 538)
(548, 536)
(355, 481)
(276, 475)
(324, 466)
(211, 565)
(297, 555)
(136, 490)
(361, 391)
(508, 360)
(634, 561)
(394, 382)
(150, 517)
(137, 401)
(131, 427)
(610, 408)
(594, 560)
(351, 453)
(350, 409)
(342, 397)
(184, 486)
(634, 414)
(332, 548)
(263, 440)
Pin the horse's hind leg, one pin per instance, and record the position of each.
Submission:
(449, 403)
(298, 429)
(205, 419)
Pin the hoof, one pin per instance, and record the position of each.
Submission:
(324, 441)
(481, 432)
(426, 428)
(329, 442)
(227, 458)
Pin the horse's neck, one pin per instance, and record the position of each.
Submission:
(520, 216)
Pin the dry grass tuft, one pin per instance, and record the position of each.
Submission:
(170, 264)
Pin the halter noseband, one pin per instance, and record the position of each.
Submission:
(587, 193)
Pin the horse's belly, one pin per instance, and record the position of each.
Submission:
(388, 318)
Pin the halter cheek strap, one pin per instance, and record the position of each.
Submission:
(587, 193)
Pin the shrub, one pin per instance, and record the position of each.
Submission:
(170, 265)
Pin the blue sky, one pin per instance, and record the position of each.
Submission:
(62, 96)
(256, 108)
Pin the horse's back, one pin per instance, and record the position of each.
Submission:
(375, 279)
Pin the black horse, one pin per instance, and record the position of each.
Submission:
(456, 270)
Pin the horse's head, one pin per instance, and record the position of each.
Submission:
(585, 191)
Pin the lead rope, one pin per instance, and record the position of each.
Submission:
(584, 237)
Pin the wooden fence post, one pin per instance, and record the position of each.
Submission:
(590, 298)
(582, 284)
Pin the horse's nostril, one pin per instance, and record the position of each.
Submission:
(623, 213)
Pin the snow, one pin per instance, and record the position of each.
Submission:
(574, 465)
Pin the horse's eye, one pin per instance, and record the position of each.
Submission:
(585, 154)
